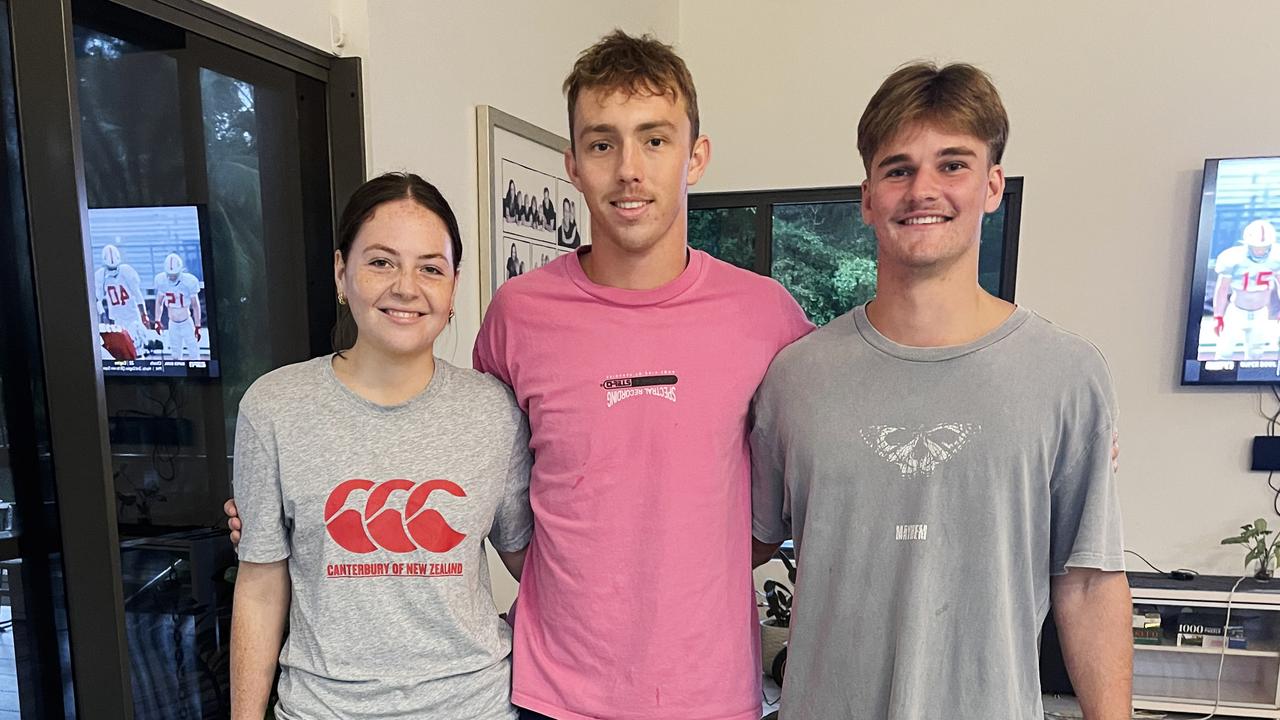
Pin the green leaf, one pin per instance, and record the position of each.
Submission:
(1260, 524)
(1254, 554)
(1237, 540)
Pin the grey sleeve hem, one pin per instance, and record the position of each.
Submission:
(768, 535)
(520, 542)
(1091, 561)
(261, 556)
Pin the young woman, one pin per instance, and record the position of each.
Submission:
(548, 210)
(509, 200)
(568, 236)
(513, 263)
(366, 481)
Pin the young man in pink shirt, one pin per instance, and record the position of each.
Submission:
(636, 359)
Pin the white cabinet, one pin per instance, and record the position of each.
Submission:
(1172, 678)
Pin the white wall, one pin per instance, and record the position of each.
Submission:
(303, 20)
(1114, 105)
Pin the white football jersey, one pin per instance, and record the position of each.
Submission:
(1248, 274)
(122, 289)
(177, 294)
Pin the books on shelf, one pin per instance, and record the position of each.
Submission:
(1146, 626)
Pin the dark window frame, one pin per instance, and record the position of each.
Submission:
(52, 158)
(765, 200)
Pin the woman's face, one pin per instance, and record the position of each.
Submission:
(399, 279)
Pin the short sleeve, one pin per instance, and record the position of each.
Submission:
(1086, 529)
(135, 285)
(770, 511)
(489, 354)
(513, 520)
(795, 324)
(1224, 262)
(256, 482)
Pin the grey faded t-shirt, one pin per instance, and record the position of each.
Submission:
(381, 512)
(931, 494)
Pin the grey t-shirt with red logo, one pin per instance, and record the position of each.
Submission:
(380, 511)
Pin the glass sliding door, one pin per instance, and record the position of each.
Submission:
(193, 157)
(172, 237)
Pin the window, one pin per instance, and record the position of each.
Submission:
(815, 243)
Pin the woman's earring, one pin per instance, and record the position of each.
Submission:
(342, 299)
(450, 313)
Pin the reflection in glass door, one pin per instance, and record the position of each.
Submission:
(206, 172)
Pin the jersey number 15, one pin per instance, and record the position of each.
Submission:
(1261, 281)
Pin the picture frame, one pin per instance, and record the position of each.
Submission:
(530, 214)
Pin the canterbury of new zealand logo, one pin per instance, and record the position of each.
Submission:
(919, 451)
(625, 387)
(380, 526)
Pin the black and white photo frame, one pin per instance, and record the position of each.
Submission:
(530, 213)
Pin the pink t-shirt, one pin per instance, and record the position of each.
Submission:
(637, 598)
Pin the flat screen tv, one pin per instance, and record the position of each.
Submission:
(153, 291)
(1232, 328)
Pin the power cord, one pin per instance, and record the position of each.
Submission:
(1222, 656)
(1148, 562)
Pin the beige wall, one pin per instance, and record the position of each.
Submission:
(1114, 105)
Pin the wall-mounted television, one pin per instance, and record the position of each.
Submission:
(153, 291)
(1232, 328)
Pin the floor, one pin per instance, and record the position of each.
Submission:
(9, 709)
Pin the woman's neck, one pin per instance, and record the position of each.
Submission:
(384, 378)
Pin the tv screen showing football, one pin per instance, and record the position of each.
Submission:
(1232, 328)
(152, 291)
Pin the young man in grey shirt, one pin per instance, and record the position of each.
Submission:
(941, 457)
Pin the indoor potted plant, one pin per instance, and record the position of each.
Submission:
(1262, 548)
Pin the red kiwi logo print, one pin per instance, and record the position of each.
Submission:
(383, 527)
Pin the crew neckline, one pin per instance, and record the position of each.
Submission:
(619, 296)
(1016, 319)
(439, 378)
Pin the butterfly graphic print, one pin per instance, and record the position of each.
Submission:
(919, 451)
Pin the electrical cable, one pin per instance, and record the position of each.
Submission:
(1148, 562)
(1222, 656)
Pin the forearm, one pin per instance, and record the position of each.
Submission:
(258, 616)
(1220, 294)
(762, 552)
(195, 311)
(1093, 611)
